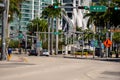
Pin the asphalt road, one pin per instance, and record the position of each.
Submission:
(55, 68)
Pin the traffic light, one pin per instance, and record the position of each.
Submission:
(83, 7)
(51, 6)
(116, 8)
(56, 6)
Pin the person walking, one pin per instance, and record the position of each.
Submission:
(9, 54)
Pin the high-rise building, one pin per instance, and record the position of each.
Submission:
(31, 9)
(76, 15)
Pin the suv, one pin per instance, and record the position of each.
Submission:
(33, 52)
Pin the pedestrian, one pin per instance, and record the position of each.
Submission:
(9, 54)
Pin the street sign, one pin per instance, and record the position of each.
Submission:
(102, 45)
(20, 36)
(39, 44)
(56, 33)
(98, 8)
(56, 7)
(107, 43)
(94, 43)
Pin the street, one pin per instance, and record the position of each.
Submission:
(58, 68)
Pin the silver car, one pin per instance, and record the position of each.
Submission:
(45, 52)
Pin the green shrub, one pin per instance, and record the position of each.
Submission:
(13, 43)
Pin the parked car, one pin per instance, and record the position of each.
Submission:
(44, 52)
(32, 52)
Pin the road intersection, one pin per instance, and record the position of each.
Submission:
(55, 68)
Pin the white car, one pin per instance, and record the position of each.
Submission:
(45, 52)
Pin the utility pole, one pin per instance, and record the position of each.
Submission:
(107, 34)
(66, 39)
(4, 25)
(57, 25)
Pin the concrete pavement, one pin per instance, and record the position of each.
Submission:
(58, 68)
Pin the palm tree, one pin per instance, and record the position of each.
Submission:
(37, 25)
(116, 40)
(101, 19)
(11, 9)
(110, 17)
(51, 12)
(14, 8)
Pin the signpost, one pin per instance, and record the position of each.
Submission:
(98, 8)
(94, 43)
(4, 24)
(39, 44)
(107, 43)
(56, 33)
(20, 36)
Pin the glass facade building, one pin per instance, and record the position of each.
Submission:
(30, 9)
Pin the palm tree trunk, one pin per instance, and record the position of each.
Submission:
(49, 21)
(57, 25)
(52, 35)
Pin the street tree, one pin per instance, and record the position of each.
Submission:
(104, 20)
(37, 25)
(51, 12)
(116, 40)
(14, 8)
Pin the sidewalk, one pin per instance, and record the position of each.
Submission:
(90, 57)
(24, 58)
(16, 58)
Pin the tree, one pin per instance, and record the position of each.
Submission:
(105, 19)
(14, 8)
(116, 40)
(50, 13)
(101, 18)
(37, 25)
